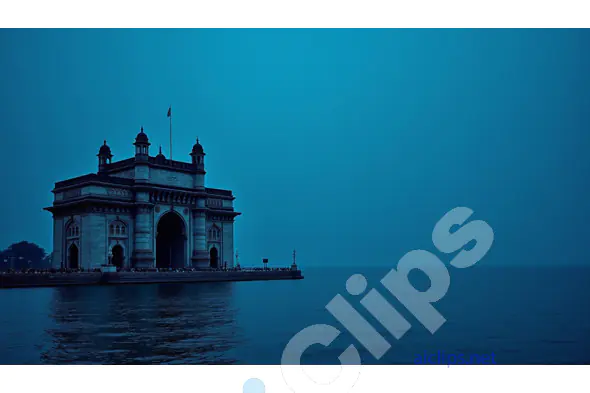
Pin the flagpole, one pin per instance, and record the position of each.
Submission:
(170, 132)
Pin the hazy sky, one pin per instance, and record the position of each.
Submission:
(346, 144)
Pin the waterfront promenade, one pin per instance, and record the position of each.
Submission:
(52, 278)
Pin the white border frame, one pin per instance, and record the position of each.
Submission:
(230, 379)
(301, 13)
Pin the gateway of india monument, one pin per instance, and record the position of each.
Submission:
(143, 212)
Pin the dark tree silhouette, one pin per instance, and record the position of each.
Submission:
(23, 255)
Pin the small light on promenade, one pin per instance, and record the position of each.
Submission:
(294, 265)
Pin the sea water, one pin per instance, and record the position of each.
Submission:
(521, 315)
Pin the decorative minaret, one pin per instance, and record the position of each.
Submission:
(142, 253)
(104, 156)
(198, 156)
(198, 161)
(142, 146)
(200, 256)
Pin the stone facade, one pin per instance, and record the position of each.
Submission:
(143, 212)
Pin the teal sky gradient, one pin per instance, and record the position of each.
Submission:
(346, 144)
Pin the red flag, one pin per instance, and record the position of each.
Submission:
(169, 111)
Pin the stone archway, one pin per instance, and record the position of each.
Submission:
(170, 242)
(73, 257)
(118, 256)
(213, 258)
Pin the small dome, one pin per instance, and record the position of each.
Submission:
(160, 157)
(104, 150)
(142, 137)
(197, 148)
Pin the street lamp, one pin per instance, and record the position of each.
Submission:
(294, 265)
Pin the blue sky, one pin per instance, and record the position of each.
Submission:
(346, 144)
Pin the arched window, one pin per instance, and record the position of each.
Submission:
(73, 230)
(214, 233)
(117, 228)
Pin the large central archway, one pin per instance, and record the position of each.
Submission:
(170, 242)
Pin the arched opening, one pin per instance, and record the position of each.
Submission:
(170, 242)
(213, 258)
(73, 262)
(118, 256)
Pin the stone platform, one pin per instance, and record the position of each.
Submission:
(16, 280)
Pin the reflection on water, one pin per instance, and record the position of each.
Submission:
(142, 324)
(522, 315)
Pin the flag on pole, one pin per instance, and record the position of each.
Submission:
(170, 116)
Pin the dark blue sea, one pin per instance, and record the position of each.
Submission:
(522, 315)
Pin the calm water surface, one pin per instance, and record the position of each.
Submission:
(522, 315)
